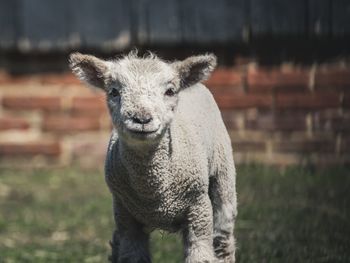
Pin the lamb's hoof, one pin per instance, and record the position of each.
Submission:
(115, 246)
(224, 249)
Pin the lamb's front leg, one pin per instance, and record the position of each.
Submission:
(198, 233)
(130, 243)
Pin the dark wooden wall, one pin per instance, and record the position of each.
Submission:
(47, 25)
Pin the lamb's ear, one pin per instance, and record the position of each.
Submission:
(195, 69)
(90, 69)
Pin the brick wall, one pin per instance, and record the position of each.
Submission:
(276, 115)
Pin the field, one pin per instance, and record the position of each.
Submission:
(64, 215)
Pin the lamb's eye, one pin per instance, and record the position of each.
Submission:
(115, 92)
(170, 90)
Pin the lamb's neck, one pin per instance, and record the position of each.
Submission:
(144, 154)
(146, 167)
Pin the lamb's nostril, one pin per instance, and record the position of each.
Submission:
(144, 120)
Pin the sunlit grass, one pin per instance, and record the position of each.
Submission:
(65, 216)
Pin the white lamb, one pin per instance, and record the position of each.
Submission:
(169, 163)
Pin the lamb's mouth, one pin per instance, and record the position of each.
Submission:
(142, 132)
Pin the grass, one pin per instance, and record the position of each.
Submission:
(65, 216)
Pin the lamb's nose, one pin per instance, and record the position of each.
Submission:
(143, 120)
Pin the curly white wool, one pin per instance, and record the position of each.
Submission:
(169, 163)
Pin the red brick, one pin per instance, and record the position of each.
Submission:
(332, 78)
(4, 77)
(31, 103)
(331, 121)
(70, 124)
(248, 146)
(267, 80)
(346, 100)
(304, 146)
(60, 79)
(240, 61)
(277, 122)
(29, 149)
(7, 123)
(231, 119)
(19, 79)
(345, 145)
(244, 101)
(226, 90)
(89, 105)
(308, 100)
(225, 77)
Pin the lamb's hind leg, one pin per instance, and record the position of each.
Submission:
(223, 197)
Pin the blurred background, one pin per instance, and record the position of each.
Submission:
(282, 82)
(283, 87)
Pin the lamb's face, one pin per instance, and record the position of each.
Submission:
(142, 98)
(142, 93)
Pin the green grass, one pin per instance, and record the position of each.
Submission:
(65, 216)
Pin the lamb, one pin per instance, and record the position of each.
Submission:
(169, 162)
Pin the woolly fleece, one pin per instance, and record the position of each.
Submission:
(169, 163)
